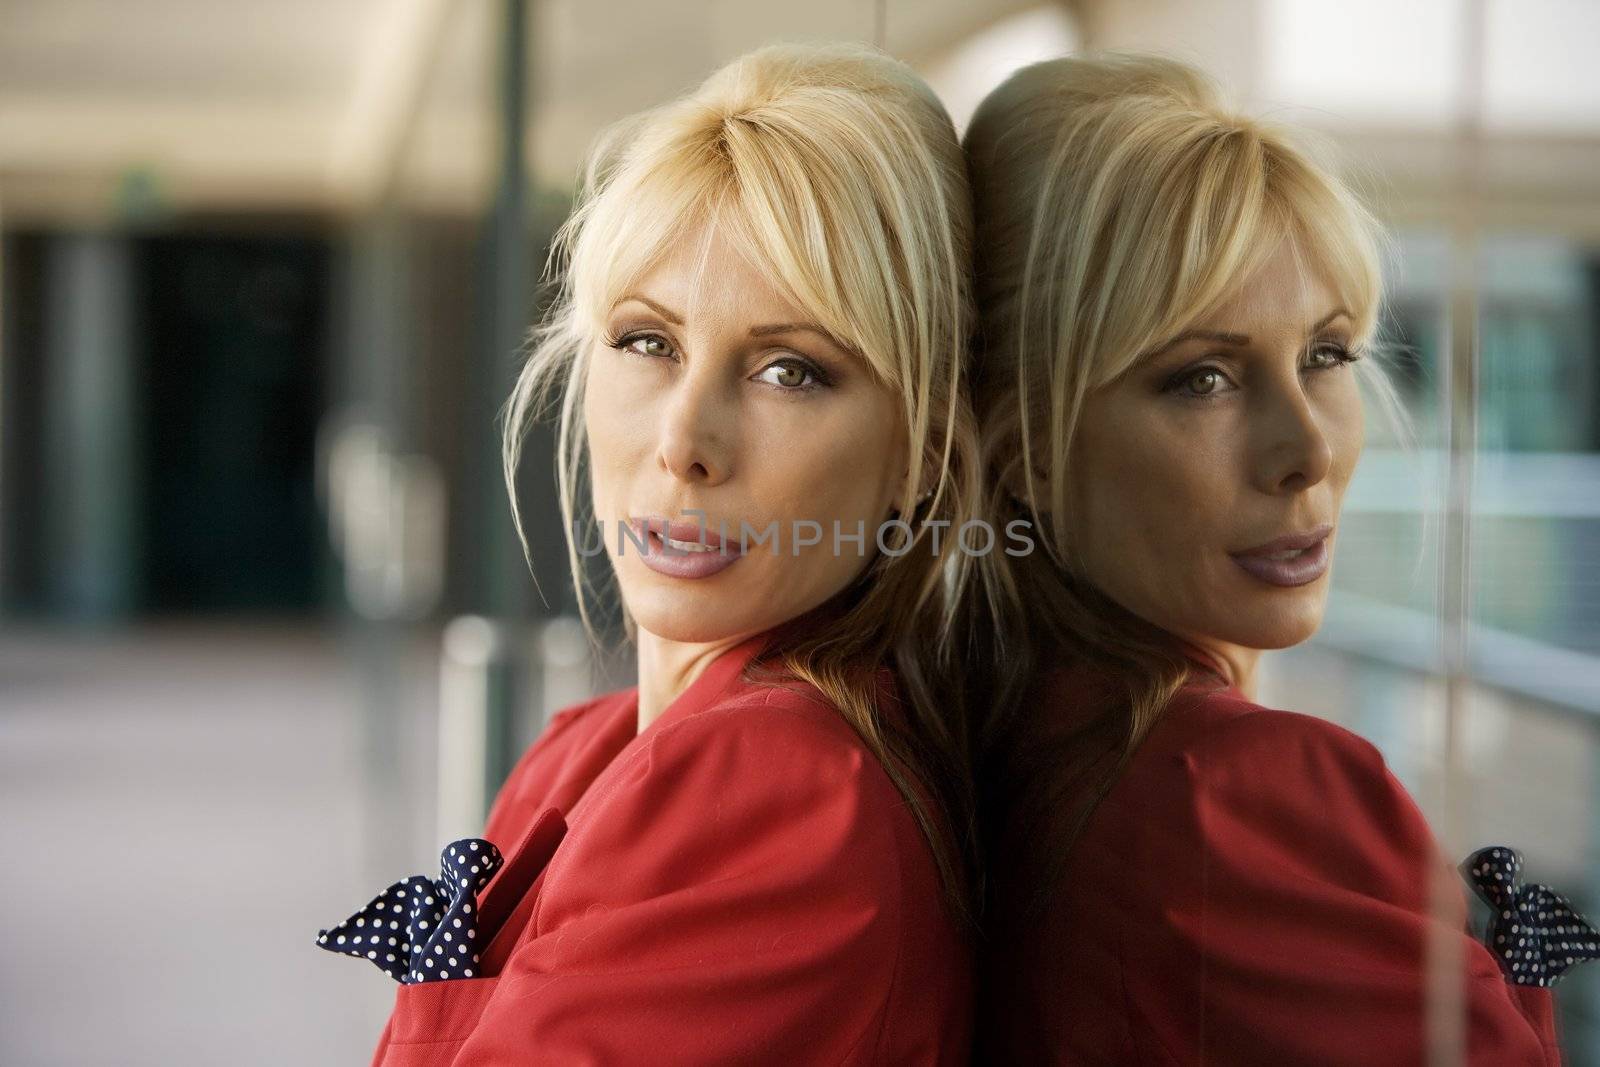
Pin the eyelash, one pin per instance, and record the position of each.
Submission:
(1343, 356)
(820, 379)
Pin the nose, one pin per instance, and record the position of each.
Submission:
(695, 431)
(1293, 451)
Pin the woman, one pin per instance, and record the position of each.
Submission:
(756, 855)
(1177, 312)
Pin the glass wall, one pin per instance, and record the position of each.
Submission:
(265, 275)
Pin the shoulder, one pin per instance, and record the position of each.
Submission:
(1204, 724)
(558, 745)
(793, 709)
(785, 739)
(763, 776)
(1274, 788)
(1212, 750)
(741, 852)
(1224, 738)
(1221, 741)
(757, 796)
(575, 716)
(1246, 850)
(567, 729)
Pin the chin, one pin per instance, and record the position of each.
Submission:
(683, 616)
(673, 626)
(1276, 631)
(1278, 618)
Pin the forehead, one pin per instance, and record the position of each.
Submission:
(1286, 287)
(707, 273)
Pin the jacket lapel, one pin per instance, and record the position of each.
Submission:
(501, 895)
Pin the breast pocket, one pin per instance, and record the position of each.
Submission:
(431, 1020)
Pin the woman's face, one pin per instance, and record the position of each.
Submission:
(712, 392)
(1244, 429)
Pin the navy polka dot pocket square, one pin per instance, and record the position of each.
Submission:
(422, 929)
(1534, 932)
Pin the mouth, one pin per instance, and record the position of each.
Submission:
(1288, 546)
(683, 546)
(1292, 560)
(683, 549)
(1293, 553)
(684, 537)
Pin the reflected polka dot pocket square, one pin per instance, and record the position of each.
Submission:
(422, 929)
(1533, 932)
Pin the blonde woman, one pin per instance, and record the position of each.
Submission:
(755, 855)
(1178, 307)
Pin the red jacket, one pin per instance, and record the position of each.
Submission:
(1253, 890)
(740, 883)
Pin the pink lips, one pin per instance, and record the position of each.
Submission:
(681, 562)
(1309, 565)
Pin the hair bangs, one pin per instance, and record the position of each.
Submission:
(718, 180)
(644, 213)
(1246, 200)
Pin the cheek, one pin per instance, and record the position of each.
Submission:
(1347, 430)
(835, 467)
(1145, 493)
(1140, 483)
(616, 432)
(597, 432)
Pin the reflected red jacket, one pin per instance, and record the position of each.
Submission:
(1252, 890)
(740, 883)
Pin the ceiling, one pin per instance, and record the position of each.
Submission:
(110, 108)
(316, 104)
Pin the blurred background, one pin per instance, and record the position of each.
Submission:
(266, 636)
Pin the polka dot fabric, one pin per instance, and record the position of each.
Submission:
(421, 929)
(1534, 934)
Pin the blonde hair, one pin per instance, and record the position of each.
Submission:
(836, 171)
(1118, 201)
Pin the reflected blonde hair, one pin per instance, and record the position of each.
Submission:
(1118, 201)
(836, 171)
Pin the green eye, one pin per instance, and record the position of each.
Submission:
(650, 346)
(788, 374)
(1199, 383)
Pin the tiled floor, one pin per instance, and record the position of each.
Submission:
(183, 807)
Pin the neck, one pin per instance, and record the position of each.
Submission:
(667, 668)
(1237, 663)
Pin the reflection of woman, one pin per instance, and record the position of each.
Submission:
(1176, 305)
(766, 289)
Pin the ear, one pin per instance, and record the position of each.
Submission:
(1014, 481)
(923, 477)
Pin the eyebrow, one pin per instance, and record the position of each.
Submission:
(803, 327)
(1236, 338)
(755, 331)
(671, 316)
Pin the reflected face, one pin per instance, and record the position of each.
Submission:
(711, 391)
(1243, 429)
